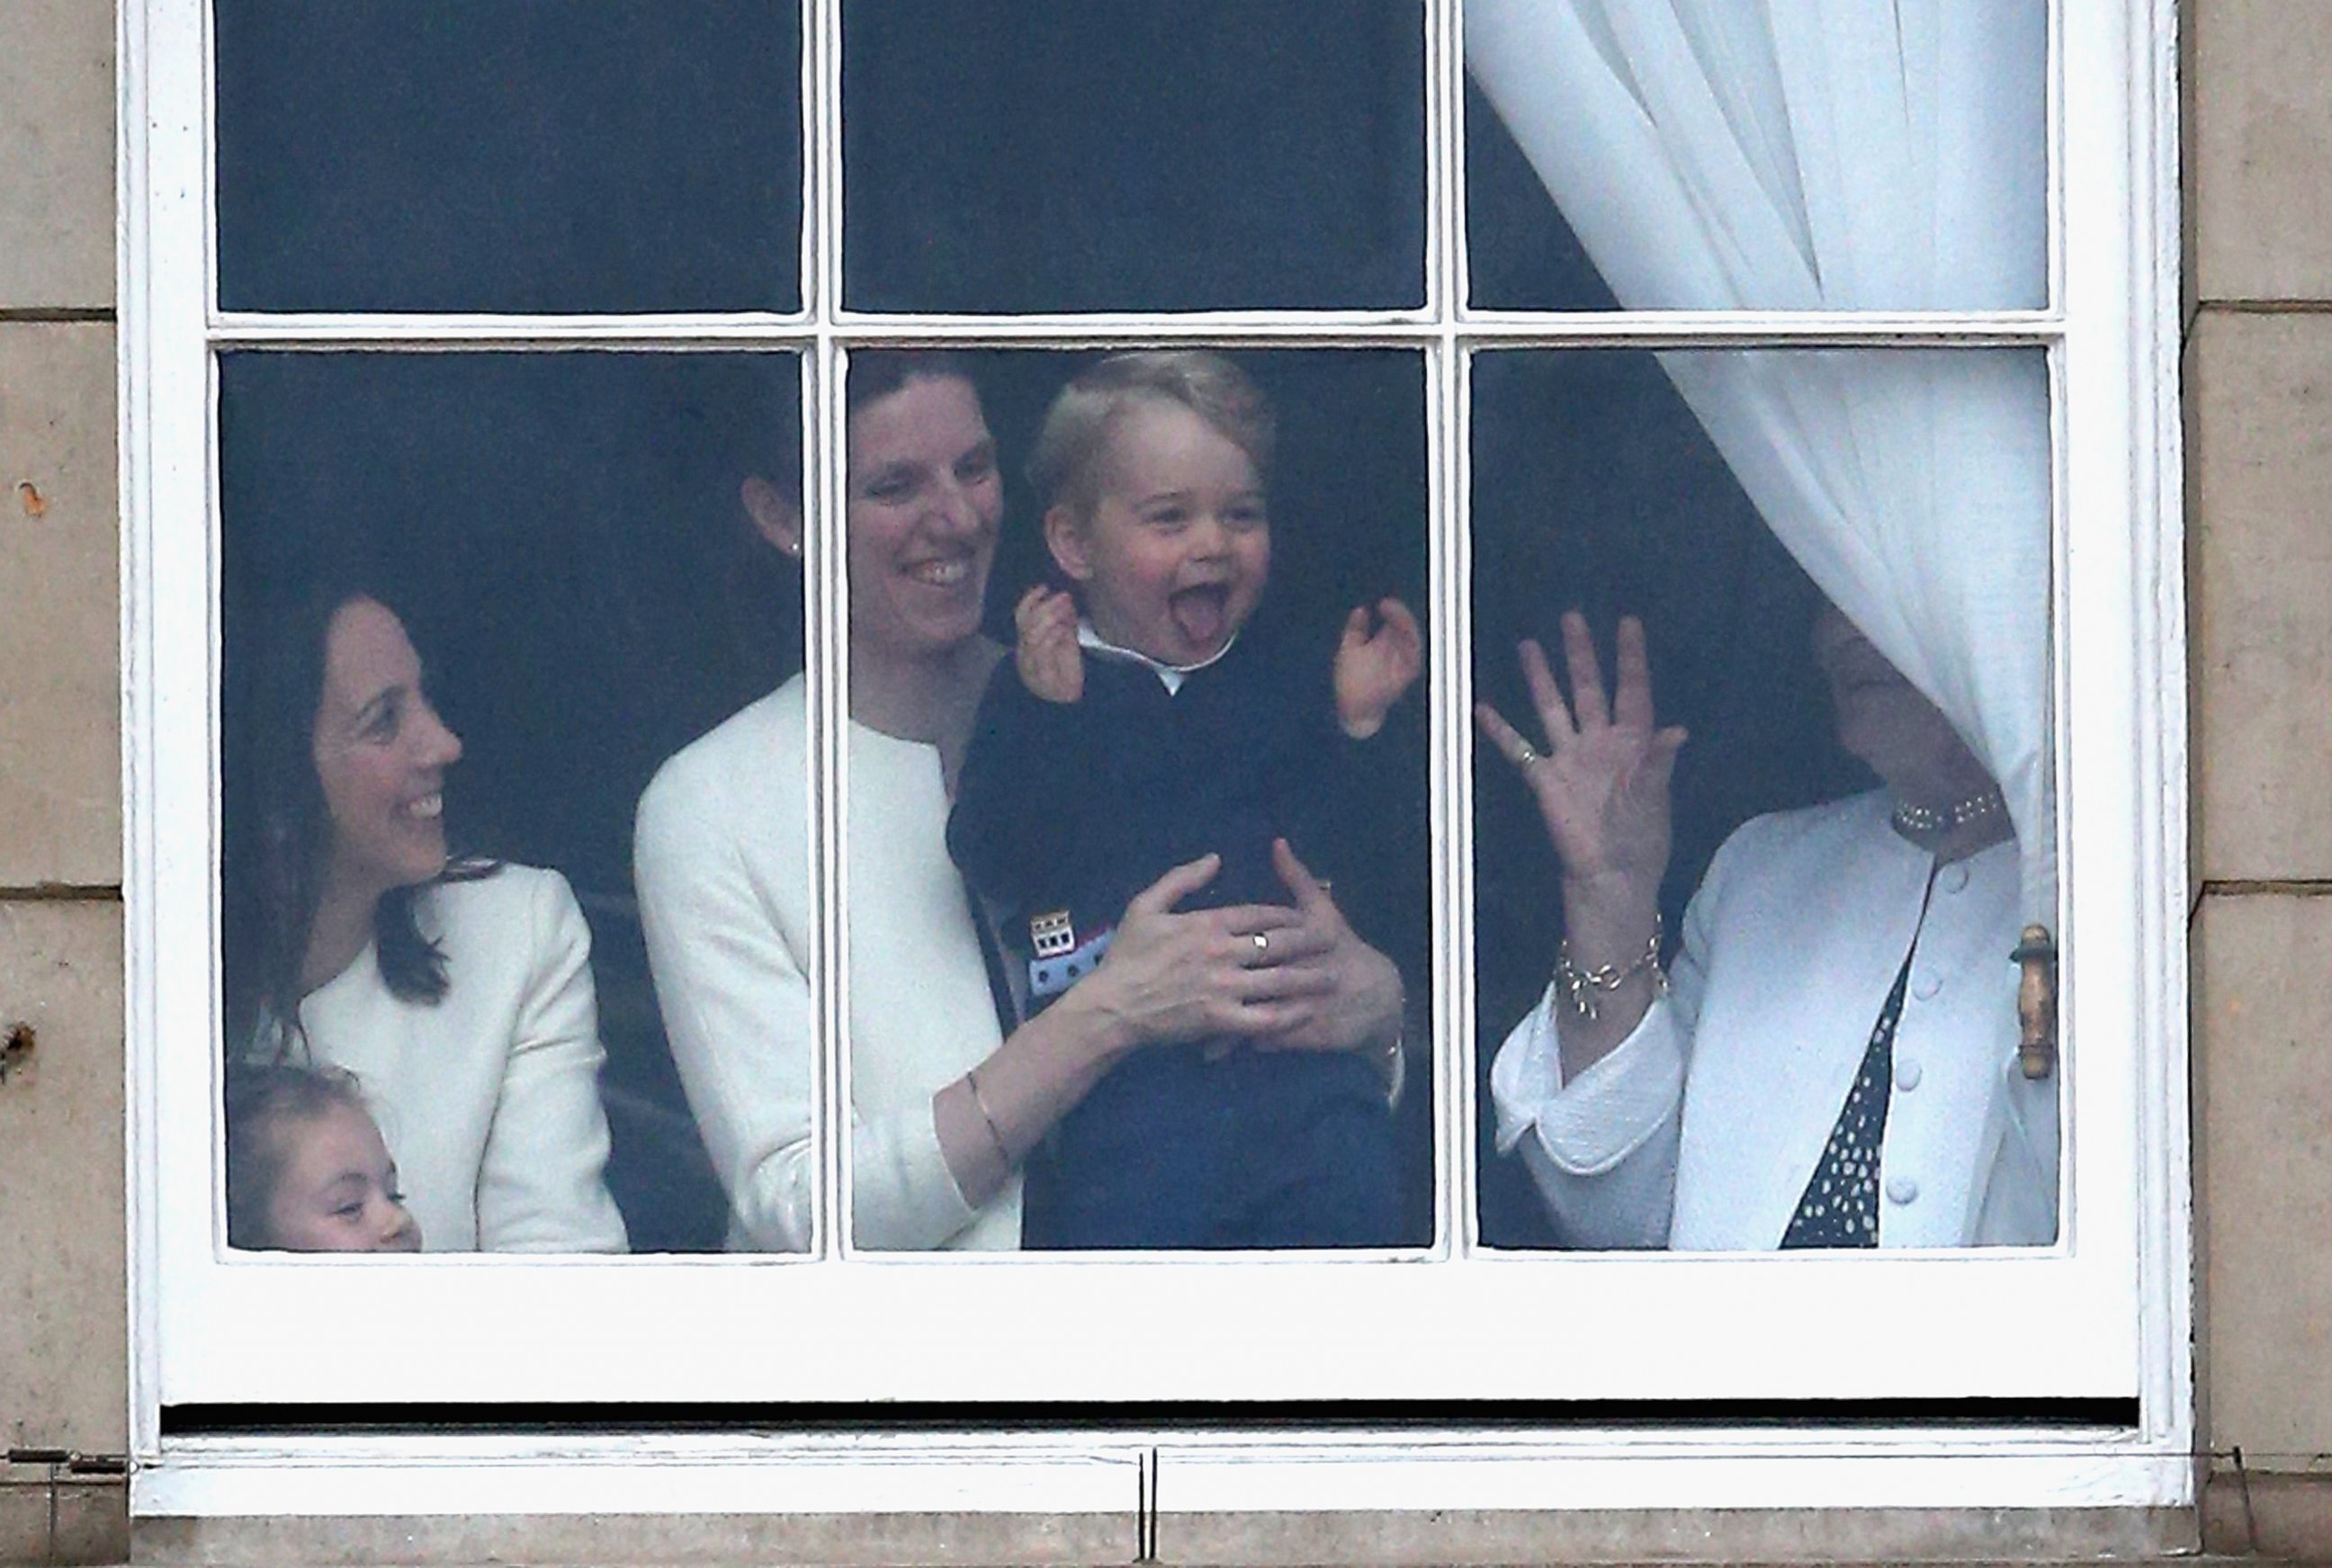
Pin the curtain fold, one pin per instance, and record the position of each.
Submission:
(1837, 154)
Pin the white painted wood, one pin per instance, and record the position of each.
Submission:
(370, 1476)
(1197, 1472)
(1246, 329)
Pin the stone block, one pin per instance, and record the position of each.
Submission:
(2259, 139)
(2262, 1034)
(56, 153)
(1447, 1538)
(63, 1292)
(2259, 555)
(79, 1520)
(670, 1541)
(2260, 1513)
(60, 531)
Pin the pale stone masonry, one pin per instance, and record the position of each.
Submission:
(63, 1337)
(2259, 421)
(2259, 408)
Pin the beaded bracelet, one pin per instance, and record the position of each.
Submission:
(1586, 988)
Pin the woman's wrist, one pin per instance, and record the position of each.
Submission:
(1384, 1022)
(1087, 1023)
(1608, 919)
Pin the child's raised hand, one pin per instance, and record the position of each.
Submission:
(1374, 668)
(1051, 664)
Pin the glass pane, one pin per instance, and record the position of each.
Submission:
(1179, 691)
(1789, 154)
(1768, 999)
(565, 541)
(1092, 155)
(509, 155)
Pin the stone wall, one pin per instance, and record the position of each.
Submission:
(64, 1336)
(2258, 422)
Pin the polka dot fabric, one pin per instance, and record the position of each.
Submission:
(1840, 1207)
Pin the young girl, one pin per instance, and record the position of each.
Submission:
(306, 1168)
(1142, 724)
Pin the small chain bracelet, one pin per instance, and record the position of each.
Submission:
(995, 1133)
(1586, 988)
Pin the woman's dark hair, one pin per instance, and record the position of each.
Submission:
(260, 1097)
(278, 833)
(751, 428)
(876, 372)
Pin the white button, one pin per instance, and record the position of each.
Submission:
(1926, 986)
(1954, 879)
(1906, 1074)
(1901, 1189)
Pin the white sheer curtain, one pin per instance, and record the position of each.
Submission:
(1837, 154)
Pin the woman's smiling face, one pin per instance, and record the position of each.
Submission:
(925, 500)
(381, 753)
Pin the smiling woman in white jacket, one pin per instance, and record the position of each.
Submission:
(459, 994)
(1832, 1061)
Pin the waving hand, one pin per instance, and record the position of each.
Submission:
(1602, 780)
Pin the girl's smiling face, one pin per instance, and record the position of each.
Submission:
(381, 753)
(1172, 557)
(336, 1190)
(925, 499)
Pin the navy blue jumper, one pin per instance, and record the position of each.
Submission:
(1075, 808)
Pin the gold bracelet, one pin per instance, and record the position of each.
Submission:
(995, 1133)
(1586, 988)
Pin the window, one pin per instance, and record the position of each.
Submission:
(541, 337)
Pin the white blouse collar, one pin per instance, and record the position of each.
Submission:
(1168, 675)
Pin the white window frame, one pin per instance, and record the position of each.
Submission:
(2105, 1314)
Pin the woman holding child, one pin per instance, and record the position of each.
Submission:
(458, 992)
(949, 1096)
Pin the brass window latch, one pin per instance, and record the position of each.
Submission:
(2036, 1003)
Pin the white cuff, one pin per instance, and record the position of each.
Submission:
(1592, 1123)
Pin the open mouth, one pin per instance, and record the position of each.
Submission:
(1200, 614)
(948, 572)
(428, 808)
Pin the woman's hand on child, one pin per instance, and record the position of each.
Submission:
(1175, 974)
(1375, 666)
(1352, 992)
(1051, 664)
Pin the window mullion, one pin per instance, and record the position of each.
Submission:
(826, 581)
(829, 618)
(1445, 226)
(1456, 1115)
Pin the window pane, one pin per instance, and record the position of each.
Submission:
(1092, 154)
(1790, 154)
(509, 155)
(1853, 839)
(1175, 699)
(563, 540)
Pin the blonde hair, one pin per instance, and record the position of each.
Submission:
(1064, 468)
